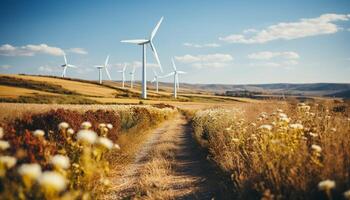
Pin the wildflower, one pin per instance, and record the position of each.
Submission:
(8, 161)
(52, 181)
(102, 125)
(60, 161)
(63, 125)
(38, 133)
(316, 148)
(87, 136)
(296, 126)
(105, 142)
(326, 185)
(279, 110)
(282, 115)
(285, 119)
(116, 146)
(32, 171)
(109, 126)
(4, 145)
(266, 127)
(1, 132)
(347, 194)
(86, 125)
(105, 129)
(70, 131)
(235, 140)
(313, 134)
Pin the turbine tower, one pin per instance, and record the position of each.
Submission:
(100, 67)
(66, 65)
(132, 73)
(176, 77)
(123, 74)
(144, 43)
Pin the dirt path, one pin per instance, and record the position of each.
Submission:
(168, 166)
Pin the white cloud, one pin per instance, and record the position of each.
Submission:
(210, 45)
(31, 50)
(267, 55)
(250, 30)
(77, 51)
(265, 64)
(209, 60)
(321, 25)
(5, 67)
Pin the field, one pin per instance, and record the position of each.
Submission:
(76, 139)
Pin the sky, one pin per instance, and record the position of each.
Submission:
(224, 41)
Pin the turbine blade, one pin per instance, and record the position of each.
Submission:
(124, 68)
(181, 72)
(154, 72)
(133, 70)
(137, 41)
(154, 79)
(72, 66)
(107, 72)
(170, 74)
(65, 59)
(156, 55)
(173, 62)
(106, 61)
(156, 28)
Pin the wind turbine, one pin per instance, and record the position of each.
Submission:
(155, 79)
(176, 77)
(100, 67)
(132, 73)
(123, 74)
(144, 42)
(66, 65)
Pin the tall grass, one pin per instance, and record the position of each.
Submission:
(64, 154)
(300, 152)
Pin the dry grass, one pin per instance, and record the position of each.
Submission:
(76, 86)
(272, 154)
(14, 92)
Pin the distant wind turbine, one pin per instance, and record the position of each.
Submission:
(123, 74)
(144, 42)
(176, 77)
(155, 79)
(66, 65)
(100, 67)
(132, 73)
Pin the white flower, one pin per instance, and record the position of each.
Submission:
(8, 161)
(285, 119)
(333, 129)
(52, 181)
(87, 136)
(109, 126)
(116, 146)
(1, 132)
(105, 142)
(60, 161)
(296, 126)
(313, 134)
(316, 148)
(32, 171)
(347, 194)
(266, 127)
(282, 115)
(326, 185)
(86, 125)
(38, 133)
(70, 131)
(63, 125)
(279, 110)
(4, 145)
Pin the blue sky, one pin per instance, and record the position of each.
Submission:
(231, 42)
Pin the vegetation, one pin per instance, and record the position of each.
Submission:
(50, 99)
(300, 152)
(64, 154)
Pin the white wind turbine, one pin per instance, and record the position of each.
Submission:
(144, 42)
(176, 77)
(132, 73)
(100, 67)
(123, 74)
(66, 65)
(155, 79)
